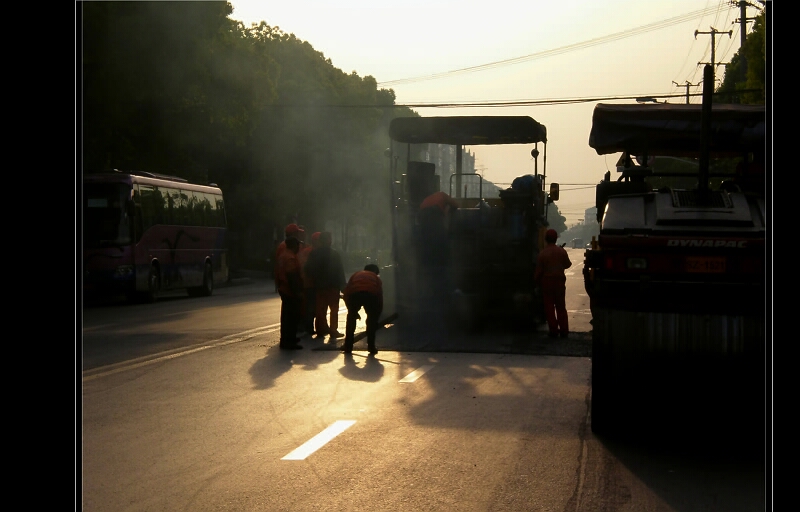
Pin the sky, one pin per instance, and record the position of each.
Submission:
(535, 51)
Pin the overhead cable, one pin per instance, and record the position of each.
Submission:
(564, 49)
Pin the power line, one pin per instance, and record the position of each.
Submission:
(564, 49)
(552, 101)
(512, 103)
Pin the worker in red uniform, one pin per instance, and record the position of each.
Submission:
(440, 199)
(326, 269)
(309, 297)
(434, 221)
(433, 262)
(364, 289)
(551, 280)
(290, 288)
(290, 230)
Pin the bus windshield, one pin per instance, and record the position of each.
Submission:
(105, 216)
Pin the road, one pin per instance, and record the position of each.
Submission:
(188, 404)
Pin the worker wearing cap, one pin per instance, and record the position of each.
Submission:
(433, 252)
(326, 269)
(434, 221)
(309, 295)
(550, 278)
(290, 288)
(364, 289)
(290, 230)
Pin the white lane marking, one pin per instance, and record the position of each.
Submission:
(319, 440)
(156, 358)
(411, 377)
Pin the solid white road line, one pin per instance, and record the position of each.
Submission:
(319, 440)
(411, 377)
(157, 358)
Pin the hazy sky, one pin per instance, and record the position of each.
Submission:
(444, 51)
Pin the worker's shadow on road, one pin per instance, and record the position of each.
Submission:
(275, 363)
(367, 369)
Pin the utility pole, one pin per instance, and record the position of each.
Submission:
(713, 33)
(687, 88)
(743, 19)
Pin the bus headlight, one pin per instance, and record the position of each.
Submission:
(123, 272)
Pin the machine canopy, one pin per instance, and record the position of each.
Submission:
(467, 130)
(675, 130)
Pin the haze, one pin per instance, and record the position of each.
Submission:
(447, 51)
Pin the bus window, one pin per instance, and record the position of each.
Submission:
(220, 211)
(152, 205)
(184, 213)
(175, 203)
(201, 209)
(106, 216)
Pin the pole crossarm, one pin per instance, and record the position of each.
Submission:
(713, 34)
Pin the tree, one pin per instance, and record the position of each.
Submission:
(752, 90)
(180, 88)
(554, 218)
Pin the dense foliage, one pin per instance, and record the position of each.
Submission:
(748, 87)
(180, 88)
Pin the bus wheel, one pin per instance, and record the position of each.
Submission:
(153, 284)
(207, 288)
(208, 281)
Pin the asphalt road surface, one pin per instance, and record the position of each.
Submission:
(188, 404)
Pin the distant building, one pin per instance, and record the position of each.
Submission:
(590, 215)
(443, 156)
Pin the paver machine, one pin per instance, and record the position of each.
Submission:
(493, 242)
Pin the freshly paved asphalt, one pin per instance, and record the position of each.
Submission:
(402, 335)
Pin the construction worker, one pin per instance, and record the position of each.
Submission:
(364, 289)
(290, 288)
(309, 296)
(290, 230)
(325, 268)
(433, 246)
(551, 280)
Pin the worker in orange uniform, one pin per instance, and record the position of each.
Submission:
(290, 230)
(325, 268)
(364, 289)
(433, 246)
(290, 288)
(309, 297)
(550, 278)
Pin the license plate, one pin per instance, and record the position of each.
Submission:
(705, 264)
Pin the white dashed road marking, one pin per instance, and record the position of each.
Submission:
(411, 377)
(319, 440)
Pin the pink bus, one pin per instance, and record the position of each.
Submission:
(144, 233)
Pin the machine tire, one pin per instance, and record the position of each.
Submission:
(603, 407)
